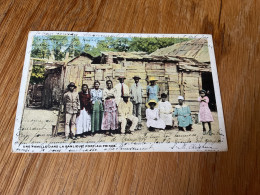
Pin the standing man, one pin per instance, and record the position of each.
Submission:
(72, 106)
(120, 89)
(136, 98)
(125, 111)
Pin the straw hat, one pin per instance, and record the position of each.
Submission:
(151, 101)
(153, 79)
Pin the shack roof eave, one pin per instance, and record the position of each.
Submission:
(85, 55)
(196, 48)
(124, 55)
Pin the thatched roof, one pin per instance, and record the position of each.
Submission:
(125, 55)
(139, 56)
(194, 49)
(191, 55)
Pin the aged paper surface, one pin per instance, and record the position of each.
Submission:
(107, 92)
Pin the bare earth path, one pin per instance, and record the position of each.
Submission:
(37, 125)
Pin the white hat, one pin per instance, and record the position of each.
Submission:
(180, 97)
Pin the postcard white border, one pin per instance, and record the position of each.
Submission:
(117, 147)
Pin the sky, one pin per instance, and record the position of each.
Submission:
(84, 40)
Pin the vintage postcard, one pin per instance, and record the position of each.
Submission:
(112, 92)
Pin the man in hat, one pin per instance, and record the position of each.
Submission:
(120, 89)
(72, 106)
(125, 111)
(183, 114)
(136, 99)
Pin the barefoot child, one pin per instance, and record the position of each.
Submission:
(205, 115)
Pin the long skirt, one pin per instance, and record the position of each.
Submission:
(83, 122)
(97, 115)
(110, 119)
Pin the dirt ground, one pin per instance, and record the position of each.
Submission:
(37, 128)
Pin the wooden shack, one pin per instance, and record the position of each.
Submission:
(75, 70)
(181, 69)
(193, 71)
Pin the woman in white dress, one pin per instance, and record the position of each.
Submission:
(83, 121)
(152, 116)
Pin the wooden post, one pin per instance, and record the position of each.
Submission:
(182, 85)
(28, 81)
(61, 108)
(200, 81)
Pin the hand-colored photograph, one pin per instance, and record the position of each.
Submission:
(99, 91)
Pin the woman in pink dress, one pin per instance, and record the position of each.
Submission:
(110, 119)
(205, 115)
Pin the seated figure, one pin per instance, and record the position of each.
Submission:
(152, 116)
(125, 112)
(183, 113)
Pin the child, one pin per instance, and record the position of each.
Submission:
(183, 114)
(166, 110)
(152, 116)
(205, 115)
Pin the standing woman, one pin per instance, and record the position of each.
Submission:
(83, 122)
(152, 90)
(97, 113)
(110, 119)
(205, 115)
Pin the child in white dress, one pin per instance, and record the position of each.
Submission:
(152, 116)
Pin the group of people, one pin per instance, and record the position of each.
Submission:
(94, 110)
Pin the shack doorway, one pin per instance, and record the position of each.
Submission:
(52, 92)
(207, 84)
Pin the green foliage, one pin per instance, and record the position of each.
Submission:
(37, 75)
(109, 44)
(58, 42)
(40, 48)
(137, 44)
(119, 44)
(150, 45)
(75, 47)
(57, 46)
